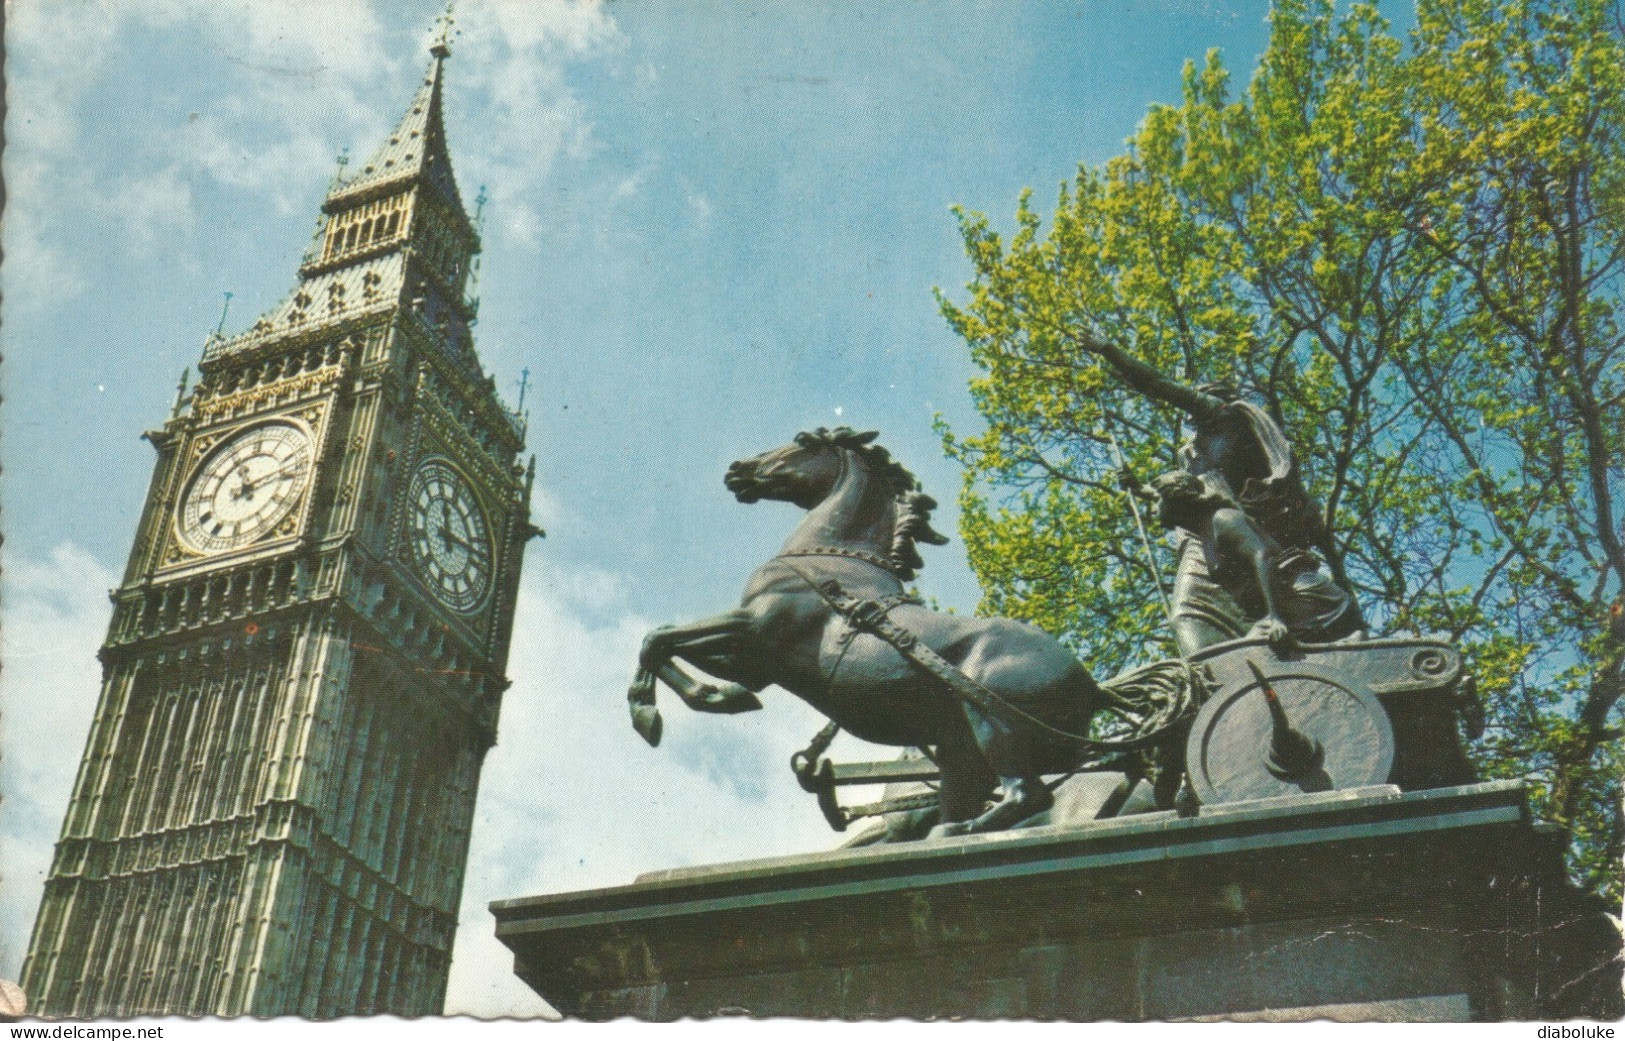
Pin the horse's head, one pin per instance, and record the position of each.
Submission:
(892, 515)
(803, 471)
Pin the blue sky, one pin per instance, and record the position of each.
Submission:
(710, 226)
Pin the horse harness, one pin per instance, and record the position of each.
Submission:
(873, 616)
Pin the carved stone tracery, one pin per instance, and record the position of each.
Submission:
(273, 812)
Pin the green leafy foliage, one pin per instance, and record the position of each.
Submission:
(1410, 253)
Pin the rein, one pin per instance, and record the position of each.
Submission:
(873, 617)
(882, 604)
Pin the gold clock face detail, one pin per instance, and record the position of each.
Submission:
(448, 541)
(245, 487)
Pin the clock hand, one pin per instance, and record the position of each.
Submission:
(245, 486)
(251, 483)
(447, 537)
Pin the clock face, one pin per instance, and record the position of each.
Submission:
(245, 487)
(448, 541)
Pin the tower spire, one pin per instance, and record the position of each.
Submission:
(442, 43)
(417, 148)
(391, 223)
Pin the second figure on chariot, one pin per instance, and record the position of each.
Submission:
(1237, 580)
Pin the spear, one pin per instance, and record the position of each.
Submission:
(1139, 525)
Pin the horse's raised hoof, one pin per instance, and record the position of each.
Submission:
(726, 700)
(646, 721)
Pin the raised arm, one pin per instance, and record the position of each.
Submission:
(1202, 408)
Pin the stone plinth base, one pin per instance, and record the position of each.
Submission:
(1361, 905)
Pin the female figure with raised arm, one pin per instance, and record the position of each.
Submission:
(1239, 452)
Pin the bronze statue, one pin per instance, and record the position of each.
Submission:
(1257, 587)
(829, 619)
(1239, 451)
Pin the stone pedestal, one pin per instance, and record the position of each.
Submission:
(1366, 905)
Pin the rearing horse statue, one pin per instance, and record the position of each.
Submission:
(991, 700)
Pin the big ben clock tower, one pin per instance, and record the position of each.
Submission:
(308, 648)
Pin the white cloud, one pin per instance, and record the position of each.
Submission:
(570, 797)
(300, 80)
(578, 26)
(343, 38)
(545, 507)
(53, 616)
(54, 52)
(159, 208)
(302, 73)
(292, 62)
(38, 273)
(510, 62)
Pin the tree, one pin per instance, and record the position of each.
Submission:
(1411, 255)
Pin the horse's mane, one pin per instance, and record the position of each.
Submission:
(913, 514)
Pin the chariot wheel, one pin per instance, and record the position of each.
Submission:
(1295, 729)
